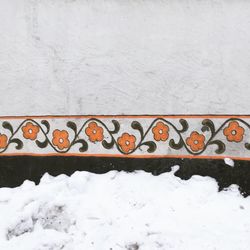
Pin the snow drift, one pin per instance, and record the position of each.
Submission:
(119, 210)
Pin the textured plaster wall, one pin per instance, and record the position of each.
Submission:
(133, 57)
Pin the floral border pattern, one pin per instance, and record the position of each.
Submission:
(172, 134)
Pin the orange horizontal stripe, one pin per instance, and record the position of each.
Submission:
(130, 156)
(122, 116)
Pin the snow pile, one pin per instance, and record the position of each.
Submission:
(229, 162)
(121, 210)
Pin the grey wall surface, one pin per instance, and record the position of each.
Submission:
(124, 57)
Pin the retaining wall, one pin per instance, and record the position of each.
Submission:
(165, 61)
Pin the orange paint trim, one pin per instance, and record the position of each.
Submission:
(129, 156)
(122, 116)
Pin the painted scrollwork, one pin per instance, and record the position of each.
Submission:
(96, 131)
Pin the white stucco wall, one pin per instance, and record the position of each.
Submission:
(133, 57)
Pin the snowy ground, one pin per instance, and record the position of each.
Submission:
(123, 211)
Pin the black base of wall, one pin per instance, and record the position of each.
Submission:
(15, 169)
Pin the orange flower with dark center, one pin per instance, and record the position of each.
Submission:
(30, 131)
(234, 132)
(3, 141)
(61, 139)
(160, 131)
(94, 132)
(196, 141)
(126, 142)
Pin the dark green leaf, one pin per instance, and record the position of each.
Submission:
(42, 144)
(116, 127)
(247, 146)
(8, 126)
(208, 125)
(151, 146)
(174, 145)
(184, 125)
(18, 142)
(84, 146)
(136, 125)
(108, 145)
(72, 125)
(46, 124)
(221, 146)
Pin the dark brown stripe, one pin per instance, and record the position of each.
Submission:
(15, 169)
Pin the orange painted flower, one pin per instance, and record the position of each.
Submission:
(61, 139)
(196, 141)
(234, 132)
(94, 132)
(30, 131)
(127, 142)
(3, 141)
(160, 131)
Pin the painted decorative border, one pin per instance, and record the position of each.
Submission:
(127, 136)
